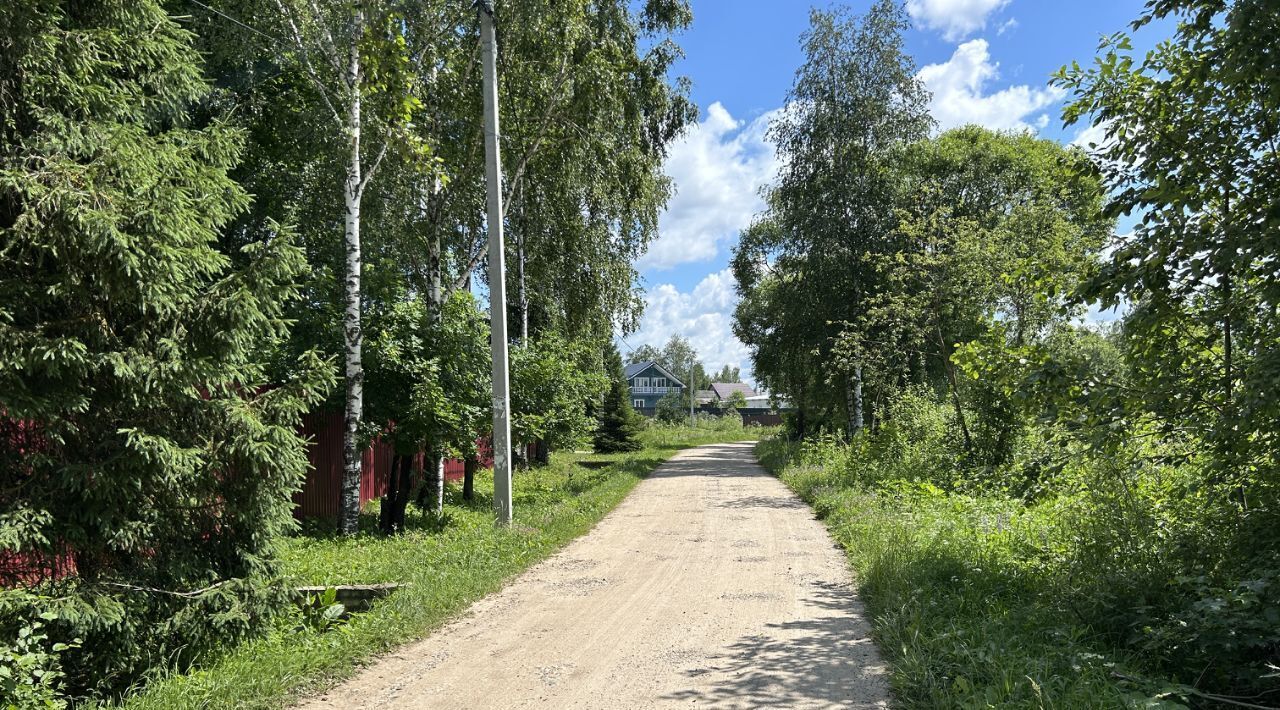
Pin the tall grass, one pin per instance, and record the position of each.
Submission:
(980, 598)
(447, 563)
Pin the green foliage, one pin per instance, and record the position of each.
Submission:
(1035, 580)
(30, 671)
(727, 374)
(430, 375)
(807, 266)
(157, 455)
(619, 425)
(323, 611)
(448, 567)
(673, 408)
(736, 401)
(553, 381)
(1202, 337)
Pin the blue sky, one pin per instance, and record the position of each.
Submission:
(986, 62)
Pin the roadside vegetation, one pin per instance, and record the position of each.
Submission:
(1043, 511)
(446, 562)
(214, 221)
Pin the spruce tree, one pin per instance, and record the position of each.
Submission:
(143, 452)
(619, 428)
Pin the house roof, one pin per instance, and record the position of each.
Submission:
(725, 390)
(636, 368)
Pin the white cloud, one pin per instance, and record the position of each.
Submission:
(1092, 137)
(718, 167)
(703, 315)
(958, 87)
(955, 19)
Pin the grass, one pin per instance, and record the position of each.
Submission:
(448, 563)
(960, 592)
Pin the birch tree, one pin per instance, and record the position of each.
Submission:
(339, 47)
(855, 103)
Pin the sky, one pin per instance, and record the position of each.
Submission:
(985, 61)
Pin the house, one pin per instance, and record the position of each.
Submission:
(650, 382)
(722, 391)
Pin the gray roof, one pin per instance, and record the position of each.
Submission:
(724, 390)
(636, 368)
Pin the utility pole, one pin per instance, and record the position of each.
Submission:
(497, 271)
(693, 392)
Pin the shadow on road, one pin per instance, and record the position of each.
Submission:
(825, 660)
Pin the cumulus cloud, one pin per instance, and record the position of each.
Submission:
(718, 167)
(1092, 137)
(703, 315)
(959, 85)
(955, 19)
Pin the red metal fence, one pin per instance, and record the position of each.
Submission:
(322, 490)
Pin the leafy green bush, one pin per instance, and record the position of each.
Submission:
(672, 409)
(30, 669)
(1064, 577)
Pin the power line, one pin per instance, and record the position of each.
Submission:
(225, 16)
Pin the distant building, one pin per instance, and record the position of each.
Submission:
(722, 391)
(756, 407)
(649, 382)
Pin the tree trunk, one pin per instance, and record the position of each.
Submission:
(431, 495)
(950, 371)
(541, 452)
(353, 337)
(399, 486)
(437, 463)
(522, 300)
(853, 401)
(469, 466)
(386, 516)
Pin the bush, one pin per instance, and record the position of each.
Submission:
(672, 409)
(30, 667)
(1068, 575)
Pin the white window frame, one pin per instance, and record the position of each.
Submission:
(642, 382)
(659, 382)
(637, 404)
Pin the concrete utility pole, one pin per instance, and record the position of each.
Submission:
(497, 271)
(693, 392)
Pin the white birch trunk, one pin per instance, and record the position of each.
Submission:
(438, 503)
(353, 336)
(855, 402)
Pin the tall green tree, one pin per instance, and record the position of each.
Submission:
(996, 231)
(145, 443)
(1191, 134)
(806, 270)
(727, 374)
(618, 427)
(361, 66)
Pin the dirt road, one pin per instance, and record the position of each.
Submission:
(711, 585)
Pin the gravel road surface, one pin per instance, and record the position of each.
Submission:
(711, 585)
